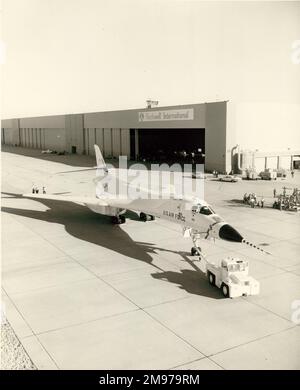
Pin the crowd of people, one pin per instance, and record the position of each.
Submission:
(283, 201)
(35, 189)
(287, 201)
(251, 199)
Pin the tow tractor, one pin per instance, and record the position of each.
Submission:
(231, 276)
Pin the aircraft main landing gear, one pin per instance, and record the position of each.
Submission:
(118, 219)
(146, 217)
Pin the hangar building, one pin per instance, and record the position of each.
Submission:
(136, 133)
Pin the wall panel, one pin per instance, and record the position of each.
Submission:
(107, 143)
(116, 140)
(100, 138)
(55, 139)
(125, 142)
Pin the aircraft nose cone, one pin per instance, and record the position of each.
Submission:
(228, 233)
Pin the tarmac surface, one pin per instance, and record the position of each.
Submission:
(81, 293)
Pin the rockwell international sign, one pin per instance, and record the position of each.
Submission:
(185, 114)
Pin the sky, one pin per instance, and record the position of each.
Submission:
(71, 56)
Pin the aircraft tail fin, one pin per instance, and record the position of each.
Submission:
(102, 176)
(99, 159)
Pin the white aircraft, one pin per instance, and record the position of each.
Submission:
(197, 218)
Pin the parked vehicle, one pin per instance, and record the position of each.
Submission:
(250, 174)
(230, 178)
(268, 174)
(232, 278)
(281, 172)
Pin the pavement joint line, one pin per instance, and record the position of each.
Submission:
(33, 290)
(198, 360)
(165, 302)
(37, 266)
(51, 357)
(248, 342)
(252, 341)
(39, 235)
(292, 272)
(93, 277)
(54, 245)
(39, 259)
(46, 239)
(127, 272)
(188, 362)
(174, 333)
(108, 284)
(33, 333)
(171, 263)
(123, 272)
(153, 318)
(85, 322)
(266, 309)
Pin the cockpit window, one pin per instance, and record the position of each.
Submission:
(205, 210)
(202, 209)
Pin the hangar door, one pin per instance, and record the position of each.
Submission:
(171, 145)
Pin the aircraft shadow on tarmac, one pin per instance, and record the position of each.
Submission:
(236, 203)
(192, 281)
(97, 229)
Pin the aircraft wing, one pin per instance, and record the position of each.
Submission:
(145, 205)
(69, 198)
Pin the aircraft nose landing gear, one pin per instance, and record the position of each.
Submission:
(118, 219)
(195, 250)
(146, 217)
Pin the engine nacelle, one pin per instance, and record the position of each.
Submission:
(105, 210)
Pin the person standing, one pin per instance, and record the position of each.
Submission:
(274, 192)
(262, 202)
